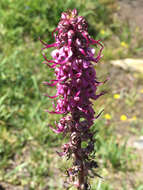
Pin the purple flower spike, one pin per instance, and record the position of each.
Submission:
(76, 86)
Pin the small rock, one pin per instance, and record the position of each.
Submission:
(129, 64)
(139, 143)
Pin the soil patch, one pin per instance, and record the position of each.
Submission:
(132, 11)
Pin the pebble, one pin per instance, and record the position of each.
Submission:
(139, 143)
(129, 64)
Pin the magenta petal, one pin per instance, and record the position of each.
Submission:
(49, 61)
(61, 153)
(56, 131)
(81, 109)
(77, 93)
(47, 64)
(97, 96)
(82, 51)
(54, 112)
(63, 62)
(56, 29)
(51, 96)
(48, 45)
(78, 75)
(98, 43)
(49, 84)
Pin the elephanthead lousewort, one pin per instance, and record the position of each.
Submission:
(76, 87)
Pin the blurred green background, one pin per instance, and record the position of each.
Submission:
(27, 146)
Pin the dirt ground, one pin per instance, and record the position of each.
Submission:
(124, 82)
(132, 11)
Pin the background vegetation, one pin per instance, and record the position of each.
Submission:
(27, 147)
